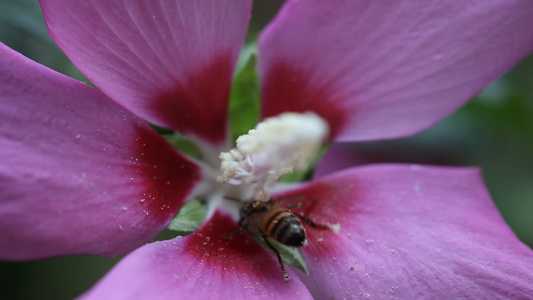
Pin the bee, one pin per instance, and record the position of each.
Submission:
(270, 219)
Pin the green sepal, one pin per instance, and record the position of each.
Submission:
(189, 218)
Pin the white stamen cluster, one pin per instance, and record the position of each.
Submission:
(277, 146)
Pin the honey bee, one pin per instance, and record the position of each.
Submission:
(271, 220)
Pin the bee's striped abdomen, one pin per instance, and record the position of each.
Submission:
(285, 227)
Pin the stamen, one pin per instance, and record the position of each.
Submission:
(276, 147)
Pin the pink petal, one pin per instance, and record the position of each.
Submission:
(413, 232)
(79, 173)
(170, 62)
(200, 266)
(386, 69)
(339, 156)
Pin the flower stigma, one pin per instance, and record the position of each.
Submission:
(277, 146)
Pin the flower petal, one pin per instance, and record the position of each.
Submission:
(380, 70)
(413, 232)
(170, 62)
(200, 266)
(339, 156)
(79, 173)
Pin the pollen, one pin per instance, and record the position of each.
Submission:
(277, 146)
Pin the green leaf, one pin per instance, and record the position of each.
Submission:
(189, 218)
(245, 94)
(248, 50)
(183, 144)
(290, 255)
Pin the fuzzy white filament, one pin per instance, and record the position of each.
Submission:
(277, 146)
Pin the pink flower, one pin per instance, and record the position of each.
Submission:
(81, 173)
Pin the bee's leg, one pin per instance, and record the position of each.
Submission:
(227, 236)
(312, 223)
(300, 204)
(286, 276)
(297, 205)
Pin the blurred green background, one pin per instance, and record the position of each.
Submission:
(494, 131)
